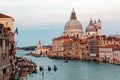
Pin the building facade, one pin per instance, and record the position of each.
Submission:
(7, 49)
(93, 49)
(105, 54)
(42, 50)
(116, 55)
(58, 46)
(72, 48)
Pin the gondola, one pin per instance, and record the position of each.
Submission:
(55, 68)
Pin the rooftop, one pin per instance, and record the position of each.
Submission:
(4, 16)
(111, 46)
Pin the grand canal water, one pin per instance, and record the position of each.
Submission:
(73, 70)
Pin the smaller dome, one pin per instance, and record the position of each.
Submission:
(91, 28)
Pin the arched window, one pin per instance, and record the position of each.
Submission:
(77, 35)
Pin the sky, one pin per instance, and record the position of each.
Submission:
(45, 19)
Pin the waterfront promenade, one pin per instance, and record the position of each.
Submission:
(73, 70)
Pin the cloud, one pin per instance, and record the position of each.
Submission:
(53, 12)
(45, 19)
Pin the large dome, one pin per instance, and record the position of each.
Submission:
(73, 24)
(73, 27)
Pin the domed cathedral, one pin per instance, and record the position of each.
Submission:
(73, 27)
(94, 28)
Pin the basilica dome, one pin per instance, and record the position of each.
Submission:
(91, 28)
(73, 27)
(73, 24)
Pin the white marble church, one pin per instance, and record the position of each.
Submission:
(73, 27)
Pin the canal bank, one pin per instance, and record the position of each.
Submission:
(73, 70)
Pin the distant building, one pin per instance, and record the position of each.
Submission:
(42, 50)
(110, 53)
(84, 49)
(93, 49)
(66, 47)
(72, 48)
(58, 46)
(111, 40)
(116, 55)
(106, 53)
(94, 28)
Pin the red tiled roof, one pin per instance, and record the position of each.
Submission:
(62, 37)
(110, 46)
(110, 38)
(84, 41)
(43, 48)
(4, 16)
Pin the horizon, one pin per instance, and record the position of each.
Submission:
(45, 20)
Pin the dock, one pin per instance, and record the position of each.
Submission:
(24, 65)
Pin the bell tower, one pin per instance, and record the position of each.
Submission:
(39, 45)
(99, 25)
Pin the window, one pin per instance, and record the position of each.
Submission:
(0, 42)
(7, 42)
(77, 35)
(104, 42)
(6, 23)
(107, 42)
(0, 31)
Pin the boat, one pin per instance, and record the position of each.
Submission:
(66, 61)
(55, 68)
